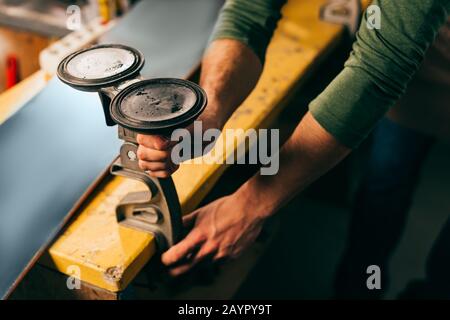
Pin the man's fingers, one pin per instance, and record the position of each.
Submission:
(154, 141)
(162, 174)
(189, 219)
(183, 248)
(221, 257)
(154, 166)
(175, 272)
(158, 169)
(148, 154)
(207, 252)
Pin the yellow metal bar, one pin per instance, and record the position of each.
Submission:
(108, 255)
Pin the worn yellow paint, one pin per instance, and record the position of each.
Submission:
(14, 98)
(109, 256)
(105, 252)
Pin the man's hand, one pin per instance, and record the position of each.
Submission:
(230, 71)
(222, 229)
(154, 154)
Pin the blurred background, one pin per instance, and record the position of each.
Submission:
(28, 27)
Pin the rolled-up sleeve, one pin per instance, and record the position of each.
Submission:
(250, 22)
(382, 63)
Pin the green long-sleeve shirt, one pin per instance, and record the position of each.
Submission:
(379, 68)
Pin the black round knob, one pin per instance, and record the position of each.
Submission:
(158, 106)
(100, 66)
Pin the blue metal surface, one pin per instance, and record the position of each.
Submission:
(50, 152)
(54, 148)
(171, 34)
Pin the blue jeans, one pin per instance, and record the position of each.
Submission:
(381, 206)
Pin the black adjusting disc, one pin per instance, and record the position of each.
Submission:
(158, 106)
(100, 66)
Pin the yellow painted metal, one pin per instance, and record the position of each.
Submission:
(108, 255)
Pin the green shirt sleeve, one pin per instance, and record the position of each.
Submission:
(250, 21)
(380, 67)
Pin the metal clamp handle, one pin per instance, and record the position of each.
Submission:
(156, 210)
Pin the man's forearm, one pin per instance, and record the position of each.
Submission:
(308, 154)
(230, 71)
(380, 67)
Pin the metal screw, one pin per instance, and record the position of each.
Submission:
(132, 155)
